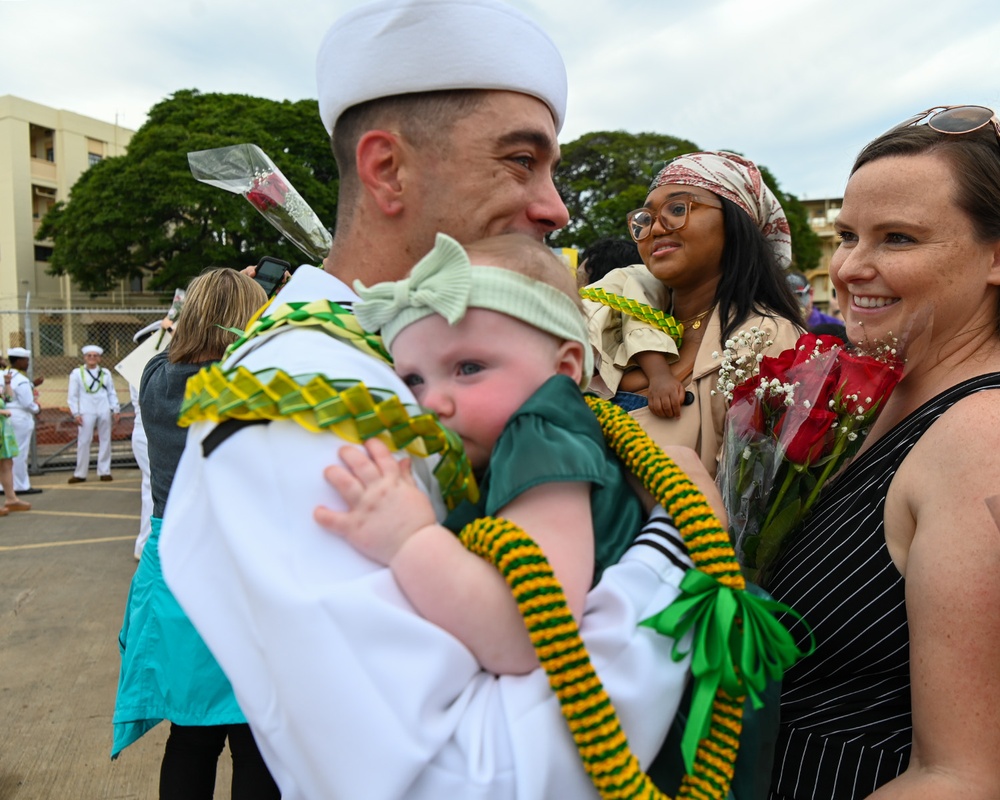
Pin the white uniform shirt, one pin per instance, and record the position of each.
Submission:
(349, 692)
(22, 392)
(101, 400)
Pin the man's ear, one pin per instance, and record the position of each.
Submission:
(379, 158)
(569, 360)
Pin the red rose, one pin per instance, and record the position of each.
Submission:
(806, 434)
(817, 378)
(777, 366)
(810, 343)
(260, 200)
(268, 192)
(745, 389)
(746, 412)
(867, 378)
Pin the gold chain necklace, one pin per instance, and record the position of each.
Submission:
(695, 322)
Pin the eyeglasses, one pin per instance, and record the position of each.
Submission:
(955, 119)
(673, 214)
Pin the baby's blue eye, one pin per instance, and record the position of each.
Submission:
(412, 380)
(469, 368)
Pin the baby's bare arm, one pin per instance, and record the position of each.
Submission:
(468, 597)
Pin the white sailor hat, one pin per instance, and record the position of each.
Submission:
(393, 47)
(18, 352)
(92, 348)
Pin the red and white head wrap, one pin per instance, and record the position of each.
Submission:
(737, 179)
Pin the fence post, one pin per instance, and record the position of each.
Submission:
(29, 342)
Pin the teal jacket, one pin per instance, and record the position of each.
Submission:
(167, 671)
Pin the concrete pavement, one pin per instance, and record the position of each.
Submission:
(65, 568)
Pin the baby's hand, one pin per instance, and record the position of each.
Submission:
(666, 395)
(384, 505)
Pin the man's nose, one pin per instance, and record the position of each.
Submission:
(548, 210)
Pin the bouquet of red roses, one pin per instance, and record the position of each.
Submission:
(793, 422)
(245, 169)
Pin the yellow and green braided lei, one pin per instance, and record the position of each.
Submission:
(729, 624)
(351, 410)
(331, 317)
(652, 316)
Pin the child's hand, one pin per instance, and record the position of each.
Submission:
(385, 506)
(665, 395)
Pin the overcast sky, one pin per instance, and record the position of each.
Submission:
(797, 85)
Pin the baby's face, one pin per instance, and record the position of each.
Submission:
(476, 374)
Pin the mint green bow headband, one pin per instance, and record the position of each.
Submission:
(445, 282)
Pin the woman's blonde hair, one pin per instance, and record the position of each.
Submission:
(219, 298)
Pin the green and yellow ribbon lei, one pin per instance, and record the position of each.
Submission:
(737, 647)
(349, 409)
(652, 316)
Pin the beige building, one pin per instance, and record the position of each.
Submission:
(43, 151)
(822, 213)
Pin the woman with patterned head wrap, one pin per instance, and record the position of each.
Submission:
(714, 242)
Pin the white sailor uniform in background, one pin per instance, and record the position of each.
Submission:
(92, 398)
(23, 408)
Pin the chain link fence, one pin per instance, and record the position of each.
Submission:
(54, 337)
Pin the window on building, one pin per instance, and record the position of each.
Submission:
(43, 198)
(43, 253)
(96, 150)
(42, 143)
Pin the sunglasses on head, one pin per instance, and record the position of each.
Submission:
(954, 119)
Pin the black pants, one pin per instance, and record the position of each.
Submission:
(192, 756)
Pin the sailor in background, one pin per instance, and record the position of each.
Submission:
(92, 402)
(23, 407)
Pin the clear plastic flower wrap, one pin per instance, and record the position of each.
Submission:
(246, 169)
(794, 421)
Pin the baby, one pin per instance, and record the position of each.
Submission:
(497, 348)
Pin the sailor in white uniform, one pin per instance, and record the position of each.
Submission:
(93, 403)
(349, 692)
(23, 407)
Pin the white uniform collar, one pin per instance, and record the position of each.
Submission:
(310, 283)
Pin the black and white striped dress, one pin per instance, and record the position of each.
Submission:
(845, 710)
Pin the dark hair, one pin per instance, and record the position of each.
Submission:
(831, 329)
(752, 281)
(423, 118)
(975, 163)
(607, 254)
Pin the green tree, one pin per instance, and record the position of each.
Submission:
(806, 249)
(605, 174)
(144, 210)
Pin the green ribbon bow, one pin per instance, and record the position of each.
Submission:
(730, 628)
(440, 283)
